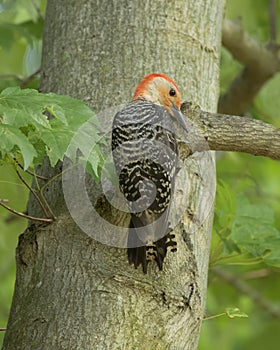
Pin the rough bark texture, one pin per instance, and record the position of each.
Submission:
(233, 133)
(71, 291)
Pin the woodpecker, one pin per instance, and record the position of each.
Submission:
(145, 154)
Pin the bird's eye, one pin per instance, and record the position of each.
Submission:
(172, 92)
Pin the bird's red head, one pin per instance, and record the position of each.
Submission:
(159, 89)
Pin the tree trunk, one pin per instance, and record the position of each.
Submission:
(73, 292)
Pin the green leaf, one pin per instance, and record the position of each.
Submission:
(10, 138)
(58, 112)
(56, 142)
(225, 205)
(253, 231)
(72, 126)
(33, 29)
(17, 11)
(261, 211)
(84, 139)
(76, 111)
(23, 107)
(235, 312)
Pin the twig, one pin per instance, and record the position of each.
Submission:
(4, 200)
(23, 81)
(272, 21)
(14, 76)
(34, 194)
(37, 8)
(26, 80)
(56, 177)
(47, 205)
(30, 172)
(214, 316)
(231, 133)
(32, 218)
(247, 290)
(3, 329)
(257, 274)
(261, 63)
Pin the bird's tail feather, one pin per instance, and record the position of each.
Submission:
(140, 253)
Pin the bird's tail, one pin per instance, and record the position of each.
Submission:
(140, 253)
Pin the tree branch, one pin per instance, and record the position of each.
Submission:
(243, 288)
(32, 218)
(30, 172)
(232, 133)
(23, 80)
(34, 194)
(272, 20)
(26, 80)
(261, 63)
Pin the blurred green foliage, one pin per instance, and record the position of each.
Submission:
(246, 234)
(245, 240)
(21, 28)
(10, 228)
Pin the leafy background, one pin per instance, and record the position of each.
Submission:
(246, 239)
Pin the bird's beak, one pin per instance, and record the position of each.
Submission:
(178, 116)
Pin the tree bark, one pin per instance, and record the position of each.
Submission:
(232, 133)
(261, 63)
(73, 292)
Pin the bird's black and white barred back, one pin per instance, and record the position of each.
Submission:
(145, 154)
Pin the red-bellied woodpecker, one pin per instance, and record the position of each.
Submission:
(145, 155)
